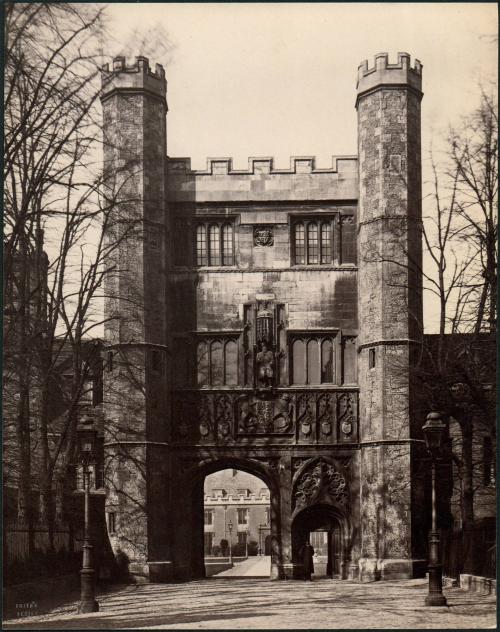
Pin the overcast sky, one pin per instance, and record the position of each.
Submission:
(280, 79)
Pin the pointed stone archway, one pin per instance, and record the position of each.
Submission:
(321, 501)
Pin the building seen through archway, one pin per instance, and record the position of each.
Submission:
(237, 521)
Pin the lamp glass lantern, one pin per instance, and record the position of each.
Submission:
(87, 440)
(434, 433)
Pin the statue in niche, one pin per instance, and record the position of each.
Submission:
(265, 368)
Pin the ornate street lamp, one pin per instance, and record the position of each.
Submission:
(230, 529)
(434, 433)
(86, 447)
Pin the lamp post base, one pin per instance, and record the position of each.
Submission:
(88, 606)
(436, 600)
(87, 597)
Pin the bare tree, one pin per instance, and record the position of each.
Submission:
(474, 164)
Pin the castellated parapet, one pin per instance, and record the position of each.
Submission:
(134, 77)
(385, 74)
(260, 164)
(262, 182)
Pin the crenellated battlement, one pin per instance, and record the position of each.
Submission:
(385, 74)
(141, 65)
(262, 165)
(138, 76)
(237, 499)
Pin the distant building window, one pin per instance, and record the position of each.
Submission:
(112, 522)
(371, 359)
(209, 517)
(215, 244)
(313, 241)
(242, 516)
(268, 515)
(217, 362)
(313, 360)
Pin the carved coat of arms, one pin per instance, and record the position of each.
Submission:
(263, 237)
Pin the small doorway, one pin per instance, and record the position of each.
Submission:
(320, 526)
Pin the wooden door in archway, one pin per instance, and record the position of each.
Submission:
(334, 553)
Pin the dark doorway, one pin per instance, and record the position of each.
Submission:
(320, 526)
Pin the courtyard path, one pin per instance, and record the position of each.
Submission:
(264, 604)
(258, 566)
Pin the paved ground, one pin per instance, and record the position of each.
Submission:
(264, 604)
(259, 566)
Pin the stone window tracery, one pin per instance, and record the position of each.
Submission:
(215, 244)
(313, 359)
(313, 241)
(217, 361)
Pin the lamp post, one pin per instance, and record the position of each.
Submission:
(230, 529)
(434, 433)
(86, 447)
(246, 543)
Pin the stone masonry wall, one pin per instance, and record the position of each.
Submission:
(389, 295)
(134, 395)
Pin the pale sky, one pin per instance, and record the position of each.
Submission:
(279, 79)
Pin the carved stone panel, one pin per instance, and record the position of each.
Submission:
(347, 415)
(306, 417)
(257, 415)
(223, 409)
(327, 417)
(320, 482)
(263, 236)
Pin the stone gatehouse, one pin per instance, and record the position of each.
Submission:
(265, 320)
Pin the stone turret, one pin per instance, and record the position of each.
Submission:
(384, 74)
(390, 314)
(135, 394)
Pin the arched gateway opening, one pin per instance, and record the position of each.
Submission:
(206, 511)
(237, 525)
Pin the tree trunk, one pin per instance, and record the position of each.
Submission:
(467, 498)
